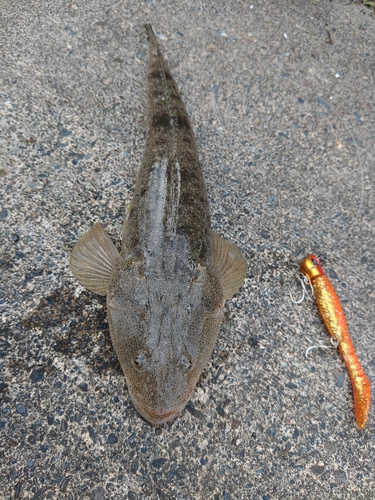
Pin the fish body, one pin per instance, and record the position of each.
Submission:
(333, 316)
(167, 287)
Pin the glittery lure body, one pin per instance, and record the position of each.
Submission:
(330, 310)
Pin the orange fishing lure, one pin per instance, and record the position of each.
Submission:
(334, 319)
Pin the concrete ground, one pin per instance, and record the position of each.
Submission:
(281, 97)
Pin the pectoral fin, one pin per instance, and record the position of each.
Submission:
(94, 259)
(230, 265)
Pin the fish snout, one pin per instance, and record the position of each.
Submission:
(162, 415)
(159, 417)
(157, 414)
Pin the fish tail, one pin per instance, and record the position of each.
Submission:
(149, 29)
(152, 38)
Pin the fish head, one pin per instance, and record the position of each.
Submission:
(163, 334)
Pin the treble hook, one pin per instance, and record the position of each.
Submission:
(304, 281)
(321, 346)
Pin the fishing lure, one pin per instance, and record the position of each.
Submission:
(334, 319)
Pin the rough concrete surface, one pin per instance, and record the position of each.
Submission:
(281, 97)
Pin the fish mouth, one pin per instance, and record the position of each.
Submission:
(163, 416)
(158, 417)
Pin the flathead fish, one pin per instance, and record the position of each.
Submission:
(167, 287)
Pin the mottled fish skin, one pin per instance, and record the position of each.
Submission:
(170, 170)
(165, 291)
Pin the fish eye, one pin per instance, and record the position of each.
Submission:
(314, 261)
(141, 361)
(184, 363)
